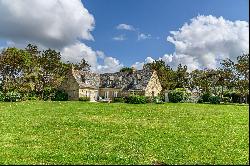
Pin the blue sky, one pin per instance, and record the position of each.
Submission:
(155, 17)
(111, 34)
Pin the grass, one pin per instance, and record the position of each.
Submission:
(99, 133)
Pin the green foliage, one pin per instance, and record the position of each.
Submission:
(178, 95)
(136, 99)
(1, 96)
(200, 100)
(126, 69)
(236, 97)
(60, 95)
(214, 99)
(118, 100)
(205, 97)
(12, 96)
(156, 99)
(84, 98)
(226, 99)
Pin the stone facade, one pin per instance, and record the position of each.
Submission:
(109, 85)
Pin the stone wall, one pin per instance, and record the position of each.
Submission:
(110, 92)
(70, 86)
(87, 92)
(154, 86)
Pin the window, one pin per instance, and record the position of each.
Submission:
(115, 94)
(106, 94)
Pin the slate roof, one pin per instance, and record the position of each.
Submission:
(138, 80)
(87, 79)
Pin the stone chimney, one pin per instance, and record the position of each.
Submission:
(133, 69)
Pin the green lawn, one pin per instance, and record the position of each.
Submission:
(95, 133)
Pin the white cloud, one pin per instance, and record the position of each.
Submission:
(142, 36)
(98, 60)
(119, 38)
(57, 24)
(48, 22)
(139, 65)
(207, 40)
(125, 27)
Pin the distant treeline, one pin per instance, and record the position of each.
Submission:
(33, 74)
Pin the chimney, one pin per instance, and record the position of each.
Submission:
(133, 69)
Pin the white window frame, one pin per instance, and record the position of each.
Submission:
(115, 94)
(106, 94)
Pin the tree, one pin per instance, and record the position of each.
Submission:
(182, 76)
(83, 65)
(126, 69)
(242, 76)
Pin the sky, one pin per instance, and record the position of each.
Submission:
(111, 34)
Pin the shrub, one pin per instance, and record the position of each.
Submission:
(200, 100)
(205, 97)
(214, 100)
(48, 93)
(84, 98)
(226, 99)
(1, 96)
(136, 99)
(178, 95)
(236, 97)
(60, 95)
(12, 96)
(118, 100)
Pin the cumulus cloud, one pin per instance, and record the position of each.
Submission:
(57, 24)
(97, 59)
(139, 65)
(125, 27)
(48, 22)
(119, 38)
(142, 36)
(207, 40)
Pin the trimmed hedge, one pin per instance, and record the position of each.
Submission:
(118, 100)
(84, 98)
(136, 99)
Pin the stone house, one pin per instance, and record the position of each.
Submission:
(109, 85)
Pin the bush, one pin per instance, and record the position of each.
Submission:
(200, 100)
(205, 97)
(1, 96)
(236, 97)
(178, 95)
(214, 100)
(226, 99)
(12, 96)
(118, 100)
(60, 95)
(136, 99)
(84, 98)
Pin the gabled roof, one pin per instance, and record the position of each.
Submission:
(138, 80)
